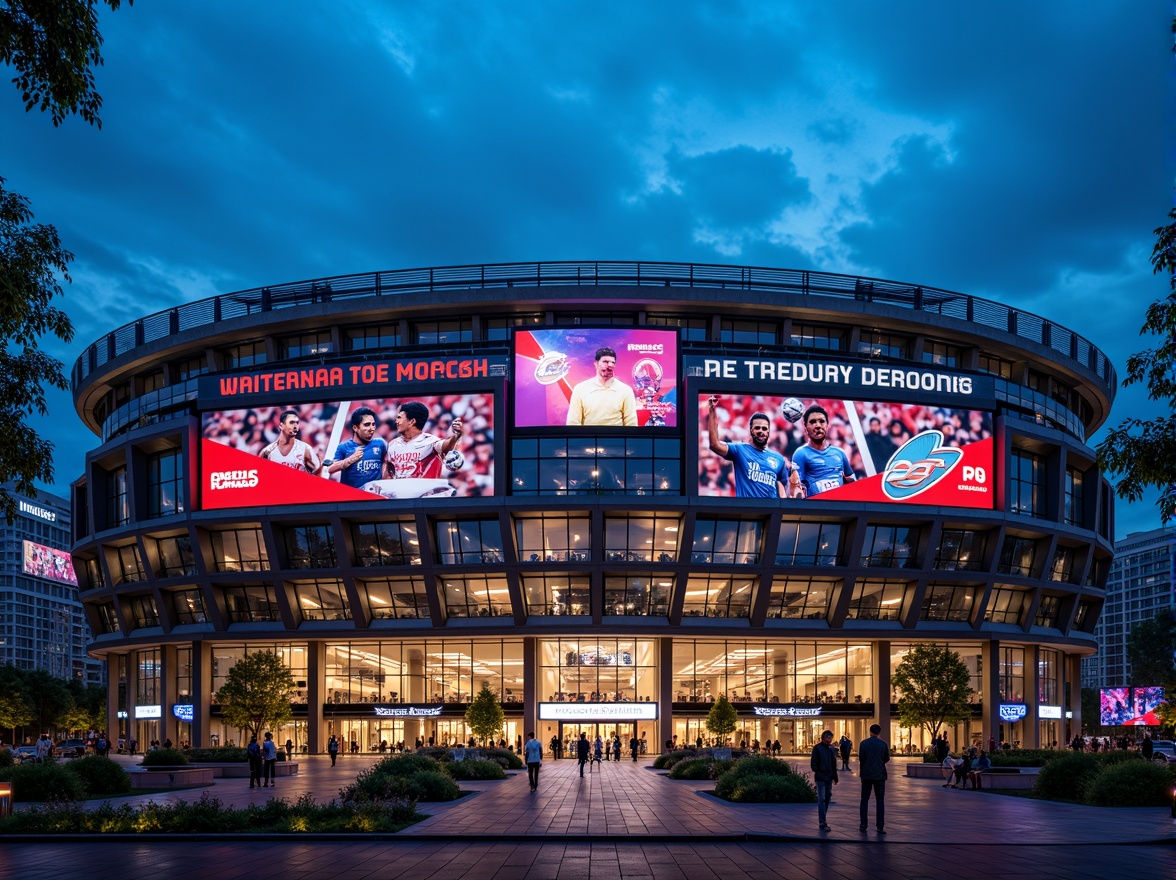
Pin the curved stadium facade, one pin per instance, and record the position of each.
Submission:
(616, 577)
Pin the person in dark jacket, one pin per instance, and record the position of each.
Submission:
(824, 766)
(582, 749)
(1148, 747)
(845, 746)
(873, 755)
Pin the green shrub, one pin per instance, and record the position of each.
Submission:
(209, 814)
(1066, 778)
(1135, 783)
(45, 782)
(669, 759)
(765, 789)
(405, 765)
(1116, 757)
(432, 785)
(219, 755)
(505, 758)
(6, 758)
(746, 768)
(100, 775)
(475, 769)
(701, 768)
(164, 758)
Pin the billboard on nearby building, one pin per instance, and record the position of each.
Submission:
(49, 563)
(624, 377)
(853, 449)
(365, 449)
(1129, 707)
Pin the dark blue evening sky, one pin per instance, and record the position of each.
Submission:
(1015, 151)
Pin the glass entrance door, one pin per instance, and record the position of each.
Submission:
(569, 733)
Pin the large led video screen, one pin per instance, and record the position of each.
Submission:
(367, 450)
(900, 453)
(622, 377)
(1129, 707)
(49, 563)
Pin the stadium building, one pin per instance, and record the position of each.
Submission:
(601, 489)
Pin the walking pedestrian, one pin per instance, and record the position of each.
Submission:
(269, 759)
(634, 747)
(846, 746)
(533, 751)
(582, 748)
(253, 752)
(823, 763)
(333, 749)
(873, 755)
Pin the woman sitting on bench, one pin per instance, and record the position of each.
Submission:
(982, 764)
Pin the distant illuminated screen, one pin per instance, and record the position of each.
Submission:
(1129, 707)
(46, 562)
(551, 364)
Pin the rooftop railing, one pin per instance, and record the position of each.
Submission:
(243, 303)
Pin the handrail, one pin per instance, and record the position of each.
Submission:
(241, 303)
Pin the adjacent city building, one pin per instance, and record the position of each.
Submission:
(43, 625)
(1142, 583)
(610, 492)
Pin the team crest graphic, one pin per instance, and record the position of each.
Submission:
(918, 465)
(552, 367)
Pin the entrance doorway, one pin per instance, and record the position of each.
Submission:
(569, 734)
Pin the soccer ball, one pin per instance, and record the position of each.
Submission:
(454, 460)
(792, 409)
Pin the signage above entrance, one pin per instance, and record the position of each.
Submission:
(148, 712)
(598, 711)
(407, 711)
(789, 711)
(1013, 711)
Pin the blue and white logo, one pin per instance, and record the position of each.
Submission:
(918, 465)
(1011, 712)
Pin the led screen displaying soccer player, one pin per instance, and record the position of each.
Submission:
(901, 453)
(49, 563)
(369, 450)
(1129, 707)
(622, 377)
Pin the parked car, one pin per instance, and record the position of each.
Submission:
(24, 754)
(1164, 751)
(70, 748)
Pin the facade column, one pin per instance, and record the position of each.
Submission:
(1032, 698)
(990, 718)
(665, 693)
(316, 683)
(882, 691)
(201, 695)
(114, 724)
(132, 696)
(415, 728)
(1072, 670)
(531, 673)
(168, 693)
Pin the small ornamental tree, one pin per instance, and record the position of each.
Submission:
(256, 694)
(935, 688)
(484, 715)
(722, 718)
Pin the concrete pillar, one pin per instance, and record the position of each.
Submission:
(531, 673)
(201, 695)
(991, 704)
(168, 695)
(316, 682)
(1032, 698)
(882, 688)
(665, 694)
(1072, 667)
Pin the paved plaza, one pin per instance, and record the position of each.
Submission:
(624, 819)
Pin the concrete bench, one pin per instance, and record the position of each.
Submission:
(171, 777)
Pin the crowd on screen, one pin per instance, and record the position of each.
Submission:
(887, 427)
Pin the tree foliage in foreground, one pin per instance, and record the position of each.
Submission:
(935, 688)
(53, 47)
(484, 715)
(722, 718)
(1143, 451)
(256, 693)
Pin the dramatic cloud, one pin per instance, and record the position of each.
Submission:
(1014, 151)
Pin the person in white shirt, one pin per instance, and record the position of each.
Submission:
(288, 449)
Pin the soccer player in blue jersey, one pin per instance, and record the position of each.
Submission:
(819, 466)
(759, 472)
(360, 459)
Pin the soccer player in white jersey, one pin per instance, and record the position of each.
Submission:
(288, 449)
(414, 452)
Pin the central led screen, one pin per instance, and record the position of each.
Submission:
(622, 377)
